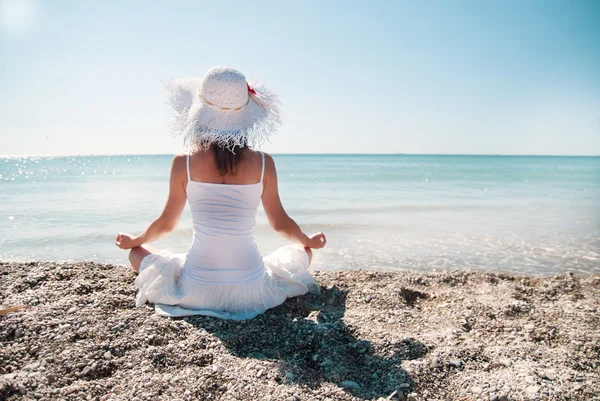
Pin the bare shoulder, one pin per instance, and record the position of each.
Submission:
(270, 175)
(179, 158)
(269, 162)
(179, 163)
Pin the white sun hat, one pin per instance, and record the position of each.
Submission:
(222, 108)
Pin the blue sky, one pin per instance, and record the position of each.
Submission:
(475, 77)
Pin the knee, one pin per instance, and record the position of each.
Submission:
(132, 256)
(135, 257)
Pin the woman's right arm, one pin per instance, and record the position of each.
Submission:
(278, 218)
(169, 219)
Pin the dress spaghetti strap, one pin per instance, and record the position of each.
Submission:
(187, 165)
(262, 172)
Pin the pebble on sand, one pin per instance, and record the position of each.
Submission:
(549, 374)
(531, 391)
(351, 385)
(476, 390)
(455, 362)
(506, 362)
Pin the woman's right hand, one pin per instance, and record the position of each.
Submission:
(125, 241)
(317, 241)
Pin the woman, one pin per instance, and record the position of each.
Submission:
(224, 181)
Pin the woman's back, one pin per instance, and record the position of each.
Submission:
(203, 168)
(223, 251)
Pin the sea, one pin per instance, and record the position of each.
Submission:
(536, 215)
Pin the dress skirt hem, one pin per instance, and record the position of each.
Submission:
(161, 282)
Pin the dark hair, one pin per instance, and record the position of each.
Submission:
(228, 159)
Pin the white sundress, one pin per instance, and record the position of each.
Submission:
(223, 274)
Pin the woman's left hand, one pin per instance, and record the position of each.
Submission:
(125, 241)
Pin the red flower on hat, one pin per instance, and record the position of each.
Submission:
(250, 89)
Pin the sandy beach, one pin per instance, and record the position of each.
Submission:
(369, 336)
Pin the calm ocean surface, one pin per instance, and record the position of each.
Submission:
(536, 215)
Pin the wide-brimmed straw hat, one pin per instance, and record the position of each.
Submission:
(222, 108)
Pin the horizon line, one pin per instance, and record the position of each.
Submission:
(320, 154)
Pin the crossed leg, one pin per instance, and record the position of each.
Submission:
(138, 253)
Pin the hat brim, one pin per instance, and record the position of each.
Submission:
(202, 124)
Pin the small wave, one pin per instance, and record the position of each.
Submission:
(42, 239)
(393, 209)
(262, 227)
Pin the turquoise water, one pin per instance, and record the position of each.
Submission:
(536, 215)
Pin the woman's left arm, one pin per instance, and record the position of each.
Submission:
(169, 218)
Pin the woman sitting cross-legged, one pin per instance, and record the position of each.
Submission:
(224, 181)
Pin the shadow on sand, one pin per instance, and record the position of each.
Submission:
(311, 344)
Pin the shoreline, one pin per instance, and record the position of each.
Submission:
(370, 335)
(124, 264)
